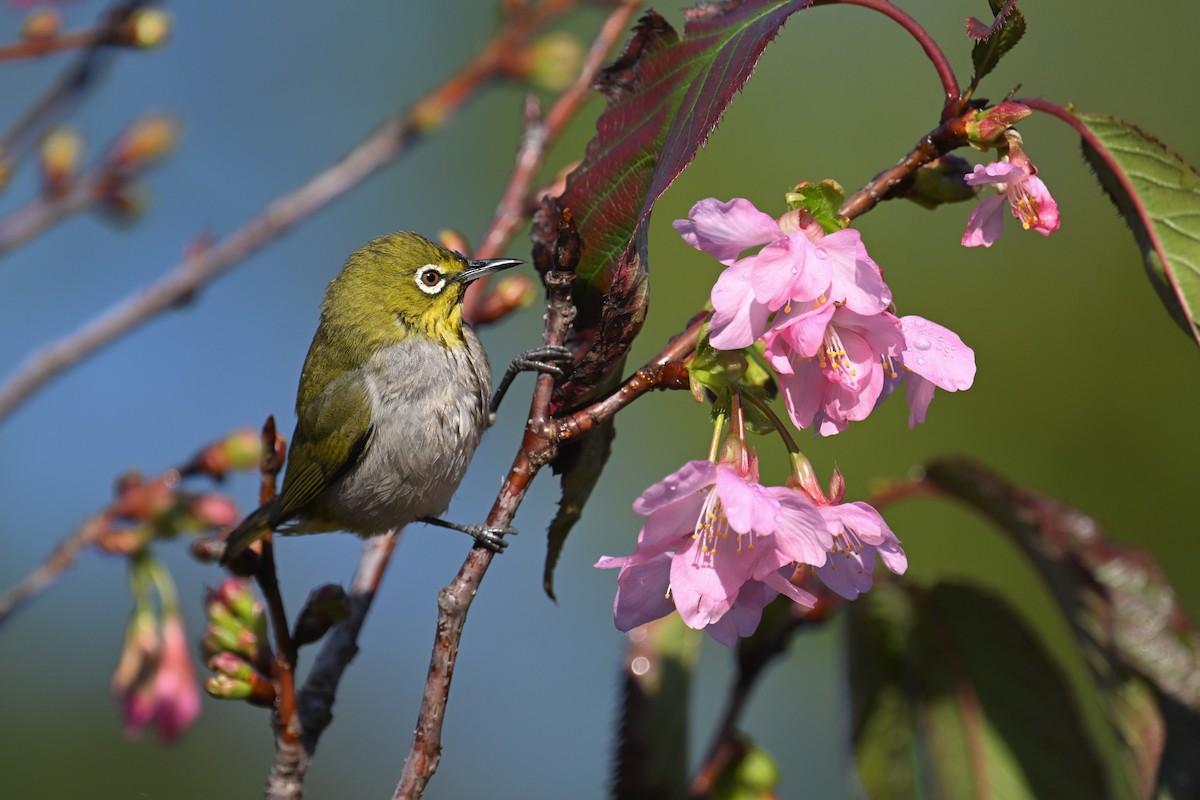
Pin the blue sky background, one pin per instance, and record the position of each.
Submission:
(1085, 388)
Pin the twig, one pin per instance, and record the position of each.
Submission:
(454, 601)
(58, 562)
(181, 283)
(45, 211)
(780, 623)
(948, 136)
(57, 102)
(280, 783)
(341, 643)
(512, 210)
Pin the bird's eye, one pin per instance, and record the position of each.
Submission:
(430, 279)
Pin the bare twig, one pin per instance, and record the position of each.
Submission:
(69, 89)
(181, 283)
(948, 136)
(50, 570)
(454, 601)
(341, 643)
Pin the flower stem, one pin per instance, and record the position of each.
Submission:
(715, 446)
(776, 422)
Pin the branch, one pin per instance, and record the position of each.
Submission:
(454, 601)
(69, 90)
(183, 281)
(341, 643)
(948, 136)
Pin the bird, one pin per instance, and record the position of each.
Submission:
(394, 396)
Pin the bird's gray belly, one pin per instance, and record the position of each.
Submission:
(429, 408)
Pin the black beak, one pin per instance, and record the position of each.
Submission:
(477, 269)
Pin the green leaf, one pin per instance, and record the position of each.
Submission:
(954, 697)
(822, 200)
(1135, 637)
(995, 40)
(1158, 195)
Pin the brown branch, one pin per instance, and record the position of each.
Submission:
(181, 283)
(513, 208)
(59, 561)
(948, 136)
(781, 621)
(341, 643)
(33, 48)
(286, 722)
(454, 601)
(70, 88)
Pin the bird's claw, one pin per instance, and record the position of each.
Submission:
(541, 359)
(489, 537)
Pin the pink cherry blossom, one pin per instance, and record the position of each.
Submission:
(154, 681)
(797, 263)
(716, 546)
(1027, 196)
(933, 356)
(859, 534)
(830, 362)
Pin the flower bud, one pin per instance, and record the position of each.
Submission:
(213, 510)
(239, 450)
(454, 240)
(123, 203)
(59, 156)
(326, 606)
(41, 24)
(941, 181)
(985, 128)
(236, 622)
(554, 61)
(145, 29)
(144, 142)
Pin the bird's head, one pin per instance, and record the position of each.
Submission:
(403, 285)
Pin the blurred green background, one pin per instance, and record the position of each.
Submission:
(1085, 389)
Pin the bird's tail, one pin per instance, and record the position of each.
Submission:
(249, 530)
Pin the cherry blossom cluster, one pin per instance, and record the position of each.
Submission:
(717, 545)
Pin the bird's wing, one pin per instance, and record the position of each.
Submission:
(331, 435)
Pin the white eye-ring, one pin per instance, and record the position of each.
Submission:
(430, 279)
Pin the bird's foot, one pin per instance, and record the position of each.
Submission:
(543, 359)
(486, 536)
(537, 359)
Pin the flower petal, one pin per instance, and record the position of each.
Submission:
(848, 273)
(738, 319)
(642, 593)
(724, 230)
(986, 222)
(937, 354)
(745, 505)
(802, 535)
(780, 583)
(688, 479)
(994, 173)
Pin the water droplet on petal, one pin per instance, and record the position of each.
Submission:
(920, 343)
(820, 252)
(921, 361)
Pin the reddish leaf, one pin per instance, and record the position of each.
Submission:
(665, 96)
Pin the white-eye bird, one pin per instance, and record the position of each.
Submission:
(393, 398)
